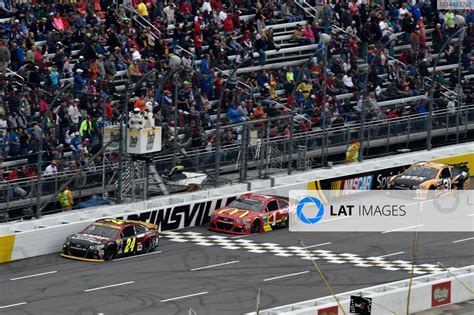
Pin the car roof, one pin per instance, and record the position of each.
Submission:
(116, 223)
(432, 165)
(259, 197)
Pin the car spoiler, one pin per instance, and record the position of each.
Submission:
(148, 225)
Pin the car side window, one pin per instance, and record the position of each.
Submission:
(445, 173)
(272, 206)
(128, 231)
(283, 204)
(140, 229)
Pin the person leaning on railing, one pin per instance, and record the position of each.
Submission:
(66, 199)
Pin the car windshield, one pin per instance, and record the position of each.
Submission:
(101, 230)
(247, 204)
(421, 171)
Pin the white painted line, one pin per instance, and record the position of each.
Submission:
(463, 240)
(239, 236)
(403, 229)
(12, 305)
(216, 265)
(285, 276)
(317, 245)
(136, 256)
(35, 275)
(394, 254)
(183, 297)
(109, 286)
(471, 215)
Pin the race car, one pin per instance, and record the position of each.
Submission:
(251, 213)
(107, 239)
(431, 176)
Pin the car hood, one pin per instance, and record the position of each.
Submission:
(87, 239)
(408, 182)
(231, 214)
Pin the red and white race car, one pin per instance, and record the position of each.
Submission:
(251, 213)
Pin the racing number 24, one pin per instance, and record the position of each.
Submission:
(130, 245)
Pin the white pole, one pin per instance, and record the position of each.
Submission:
(258, 302)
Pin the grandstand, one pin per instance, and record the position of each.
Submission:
(369, 74)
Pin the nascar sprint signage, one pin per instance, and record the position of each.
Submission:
(382, 211)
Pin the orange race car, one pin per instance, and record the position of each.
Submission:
(431, 176)
(251, 213)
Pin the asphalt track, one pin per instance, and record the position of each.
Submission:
(217, 280)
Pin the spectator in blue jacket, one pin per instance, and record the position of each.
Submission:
(14, 143)
(234, 115)
(79, 81)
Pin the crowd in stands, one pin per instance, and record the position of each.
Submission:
(93, 44)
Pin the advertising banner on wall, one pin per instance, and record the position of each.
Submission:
(333, 310)
(455, 4)
(441, 294)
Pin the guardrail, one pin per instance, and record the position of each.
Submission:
(391, 298)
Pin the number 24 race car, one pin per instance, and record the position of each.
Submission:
(251, 213)
(107, 239)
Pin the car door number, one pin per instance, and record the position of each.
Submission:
(130, 245)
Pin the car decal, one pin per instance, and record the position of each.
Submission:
(244, 214)
(225, 210)
(115, 221)
(232, 211)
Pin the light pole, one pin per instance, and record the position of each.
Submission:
(459, 87)
(40, 149)
(364, 93)
(169, 75)
(218, 123)
(293, 103)
(459, 32)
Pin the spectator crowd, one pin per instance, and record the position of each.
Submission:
(97, 46)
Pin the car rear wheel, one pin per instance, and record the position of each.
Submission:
(255, 226)
(109, 253)
(147, 246)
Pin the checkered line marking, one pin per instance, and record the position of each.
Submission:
(295, 251)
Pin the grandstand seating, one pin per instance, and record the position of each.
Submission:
(289, 54)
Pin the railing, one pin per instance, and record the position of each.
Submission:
(304, 9)
(401, 65)
(428, 81)
(21, 193)
(130, 9)
(10, 72)
(311, 7)
(386, 133)
(257, 153)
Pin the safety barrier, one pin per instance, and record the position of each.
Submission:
(19, 240)
(453, 286)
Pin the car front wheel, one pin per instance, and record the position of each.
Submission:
(109, 253)
(255, 226)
